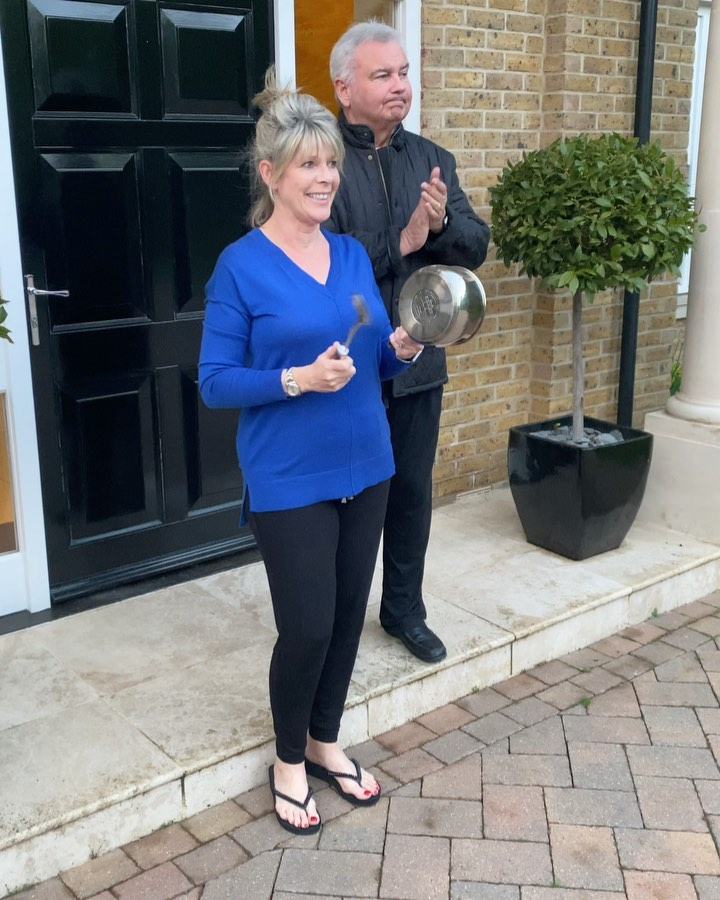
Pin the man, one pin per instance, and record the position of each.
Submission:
(399, 196)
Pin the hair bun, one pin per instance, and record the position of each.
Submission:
(272, 92)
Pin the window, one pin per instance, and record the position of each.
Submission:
(701, 43)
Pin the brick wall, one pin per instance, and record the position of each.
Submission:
(503, 76)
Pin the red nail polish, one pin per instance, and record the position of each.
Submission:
(313, 819)
(367, 793)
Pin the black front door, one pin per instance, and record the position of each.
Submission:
(128, 121)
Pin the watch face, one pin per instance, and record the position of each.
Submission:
(291, 386)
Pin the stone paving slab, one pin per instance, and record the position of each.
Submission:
(584, 856)
(502, 795)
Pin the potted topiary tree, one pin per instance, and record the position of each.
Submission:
(4, 332)
(587, 214)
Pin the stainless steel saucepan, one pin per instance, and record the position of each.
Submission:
(442, 305)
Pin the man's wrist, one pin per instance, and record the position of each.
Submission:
(443, 226)
(412, 359)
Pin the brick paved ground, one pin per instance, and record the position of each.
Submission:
(591, 777)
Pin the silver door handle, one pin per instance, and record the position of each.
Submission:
(32, 293)
(40, 293)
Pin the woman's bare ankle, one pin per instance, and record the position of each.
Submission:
(321, 751)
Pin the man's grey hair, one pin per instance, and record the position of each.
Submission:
(341, 56)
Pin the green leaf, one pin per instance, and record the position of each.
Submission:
(590, 213)
(4, 332)
(648, 249)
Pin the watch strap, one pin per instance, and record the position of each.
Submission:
(291, 387)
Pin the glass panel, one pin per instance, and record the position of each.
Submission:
(315, 36)
(384, 10)
(8, 537)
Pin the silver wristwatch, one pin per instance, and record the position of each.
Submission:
(292, 388)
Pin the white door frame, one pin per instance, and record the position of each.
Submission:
(696, 101)
(24, 583)
(407, 23)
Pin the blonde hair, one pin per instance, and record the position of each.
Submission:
(290, 122)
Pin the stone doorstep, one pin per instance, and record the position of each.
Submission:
(117, 821)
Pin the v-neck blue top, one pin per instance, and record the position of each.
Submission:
(265, 314)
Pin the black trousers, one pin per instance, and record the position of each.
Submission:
(414, 428)
(319, 561)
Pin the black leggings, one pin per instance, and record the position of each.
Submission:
(319, 561)
(414, 424)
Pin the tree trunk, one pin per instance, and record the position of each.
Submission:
(578, 367)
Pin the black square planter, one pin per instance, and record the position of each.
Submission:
(577, 501)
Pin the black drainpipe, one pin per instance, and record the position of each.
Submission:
(643, 113)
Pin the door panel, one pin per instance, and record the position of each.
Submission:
(121, 491)
(213, 470)
(128, 124)
(93, 242)
(206, 193)
(80, 56)
(206, 67)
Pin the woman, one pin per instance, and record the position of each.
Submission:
(313, 439)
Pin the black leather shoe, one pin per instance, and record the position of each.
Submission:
(422, 642)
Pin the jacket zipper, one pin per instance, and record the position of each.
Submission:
(382, 179)
(387, 200)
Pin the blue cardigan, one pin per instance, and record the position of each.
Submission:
(264, 314)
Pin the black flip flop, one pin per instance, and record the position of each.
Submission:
(288, 826)
(318, 771)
